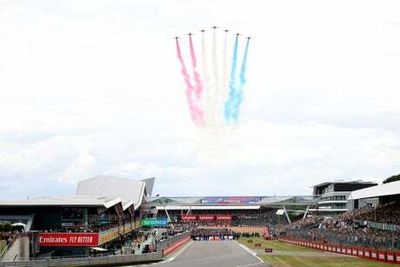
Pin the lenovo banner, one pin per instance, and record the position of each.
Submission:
(223, 217)
(189, 218)
(206, 218)
(68, 239)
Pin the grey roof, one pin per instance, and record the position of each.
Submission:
(111, 186)
(64, 201)
(343, 182)
(263, 201)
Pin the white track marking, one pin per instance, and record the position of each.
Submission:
(251, 252)
(251, 264)
(170, 258)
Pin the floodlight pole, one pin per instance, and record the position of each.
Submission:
(189, 210)
(165, 208)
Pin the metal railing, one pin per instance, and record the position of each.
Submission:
(167, 242)
(87, 261)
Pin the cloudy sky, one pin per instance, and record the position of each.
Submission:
(94, 87)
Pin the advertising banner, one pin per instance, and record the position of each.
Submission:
(223, 217)
(154, 222)
(206, 217)
(68, 239)
(189, 218)
(231, 200)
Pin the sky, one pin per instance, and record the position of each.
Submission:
(94, 88)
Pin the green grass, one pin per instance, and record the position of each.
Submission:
(304, 260)
(274, 244)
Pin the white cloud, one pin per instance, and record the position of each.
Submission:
(89, 88)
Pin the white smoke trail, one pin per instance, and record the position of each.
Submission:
(207, 93)
(215, 81)
(223, 92)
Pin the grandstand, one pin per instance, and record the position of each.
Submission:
(374, 196)
(103, 209)
(373, 221)
(107, 211)
(243, 210)
(333, 196)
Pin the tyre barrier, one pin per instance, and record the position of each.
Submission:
(388, 256)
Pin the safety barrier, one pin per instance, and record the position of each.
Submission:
(87, 261)
(175, 246)
(388, 256)
(172, 240)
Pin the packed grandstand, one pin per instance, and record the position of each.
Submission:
(119, 216)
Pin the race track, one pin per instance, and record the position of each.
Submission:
(214, 254)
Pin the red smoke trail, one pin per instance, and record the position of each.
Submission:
(197, 79)
(195, 112)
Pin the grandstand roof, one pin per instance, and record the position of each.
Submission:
(111, 186)
(343, 182)
(149, 185)
(214, 207)
(74, 201)
(229, 201)
(387, 189)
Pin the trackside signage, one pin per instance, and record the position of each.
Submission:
(189, 218)
(206, 217)
(154, 222)
(68, 239)
(223, 217)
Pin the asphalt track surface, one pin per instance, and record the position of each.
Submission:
(214, 254)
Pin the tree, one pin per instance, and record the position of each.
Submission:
(392, 179)
(5, 227)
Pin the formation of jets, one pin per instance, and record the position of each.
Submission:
(214, 28)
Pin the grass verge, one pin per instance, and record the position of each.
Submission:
(298, 256)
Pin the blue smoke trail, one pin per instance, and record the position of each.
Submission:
(242, 82)
(232, 84)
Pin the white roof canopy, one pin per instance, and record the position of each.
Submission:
(73, 201)
(387, 189)
(130, 191)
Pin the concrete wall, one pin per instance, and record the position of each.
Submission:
(88, 261)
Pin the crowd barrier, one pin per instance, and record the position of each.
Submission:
(388, 256)
(174, 246)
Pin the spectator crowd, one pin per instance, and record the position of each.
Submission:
(367, 226)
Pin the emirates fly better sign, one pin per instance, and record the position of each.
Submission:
(68, 239)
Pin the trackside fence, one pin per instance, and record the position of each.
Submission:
(346, 238)
(389, 256)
